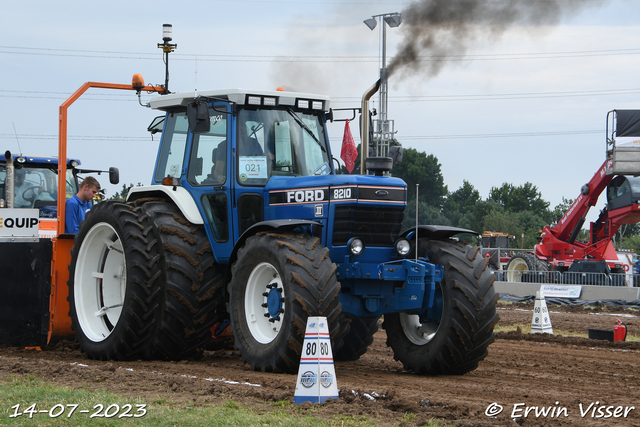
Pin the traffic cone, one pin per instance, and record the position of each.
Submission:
(541, 322)
(316, 375)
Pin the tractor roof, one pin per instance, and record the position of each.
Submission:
(239, 96)
(35, 159)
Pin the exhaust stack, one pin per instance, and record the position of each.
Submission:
(364, 125)
(9, 189)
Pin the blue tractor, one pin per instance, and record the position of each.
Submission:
(246, 220)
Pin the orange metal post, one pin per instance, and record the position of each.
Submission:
(59, 321)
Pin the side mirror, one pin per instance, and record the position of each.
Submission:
(156, 125)
(114, 175)
(198, 116)
(395, 152)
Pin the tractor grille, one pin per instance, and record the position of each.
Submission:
(376, 226)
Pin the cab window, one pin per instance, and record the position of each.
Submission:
(280, 142)
(208, 158)
(174, 143)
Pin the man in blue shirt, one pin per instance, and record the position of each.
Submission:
(78, 205)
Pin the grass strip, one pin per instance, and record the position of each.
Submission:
(44, 404)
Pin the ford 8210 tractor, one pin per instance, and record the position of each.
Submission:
(246, 220)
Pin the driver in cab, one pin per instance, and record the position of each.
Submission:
(20, 188)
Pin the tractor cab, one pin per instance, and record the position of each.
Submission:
(36, 183)
(623, 191)
(246, 158)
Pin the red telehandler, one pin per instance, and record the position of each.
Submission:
(559, 250)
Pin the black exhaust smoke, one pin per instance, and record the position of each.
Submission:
(439, 31)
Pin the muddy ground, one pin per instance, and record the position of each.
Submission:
(562, 374)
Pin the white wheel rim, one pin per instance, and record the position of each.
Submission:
(100, 282)
(516, 267)
(418, 333)
(262, 311)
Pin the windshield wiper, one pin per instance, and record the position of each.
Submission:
(305, 127)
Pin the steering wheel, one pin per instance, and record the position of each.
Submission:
(29, 194)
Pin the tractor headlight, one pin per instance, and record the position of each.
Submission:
(403, 247)
(356, 246)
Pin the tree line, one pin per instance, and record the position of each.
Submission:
(518, 210)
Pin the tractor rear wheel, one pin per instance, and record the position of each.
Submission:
(520, 263)
(192, 295)
(278, 281)
(143, 283)
(113, 277)
(457, 334)
(358, 339)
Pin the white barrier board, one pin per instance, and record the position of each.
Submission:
(561, 291)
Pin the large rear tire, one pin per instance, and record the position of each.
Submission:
(143, 283)
(455, 342)
(113, 277)
(520, 263)
(278, 281)
(192, 285)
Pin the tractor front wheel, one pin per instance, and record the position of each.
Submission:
(278, 281)
(455, 337)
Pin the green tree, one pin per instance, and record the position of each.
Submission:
(559, 211)
(625, 231)
(522, 198)
(122, 194)
(458, 206)
(630, 242)
(427, 214)
(480, 210)
(503, 221)
(419, 168)
(531, 225)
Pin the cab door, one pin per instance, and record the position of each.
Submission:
(208, 180)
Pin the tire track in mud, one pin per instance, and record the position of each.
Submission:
(518, 370)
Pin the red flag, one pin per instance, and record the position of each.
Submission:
(349, 152)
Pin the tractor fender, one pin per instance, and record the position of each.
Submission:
(438, 232)
(179, 195)
(274, 224)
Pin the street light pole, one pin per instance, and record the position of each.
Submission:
(384, 77)
(384, 130)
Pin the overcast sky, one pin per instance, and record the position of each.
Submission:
(527, 103)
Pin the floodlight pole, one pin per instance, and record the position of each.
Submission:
(384, 129)
(384, 78)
